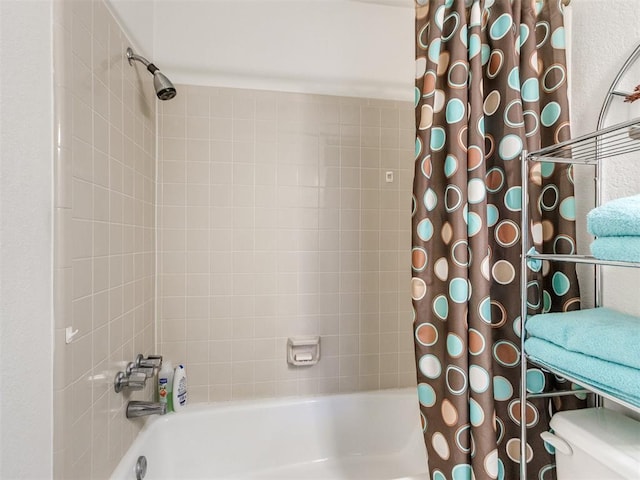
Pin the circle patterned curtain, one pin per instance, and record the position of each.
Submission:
(491, 81)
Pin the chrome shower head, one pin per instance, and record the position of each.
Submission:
(164, 88)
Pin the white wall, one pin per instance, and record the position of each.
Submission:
(604, 34)
(337, 47)
(26, 150)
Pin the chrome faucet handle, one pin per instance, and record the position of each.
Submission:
(133, 368)
(152, 361)
(132, 380)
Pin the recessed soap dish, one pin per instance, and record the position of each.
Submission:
(303, 351)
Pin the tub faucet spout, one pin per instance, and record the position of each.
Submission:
(137, 409)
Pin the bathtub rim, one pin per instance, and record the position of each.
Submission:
(241, 404)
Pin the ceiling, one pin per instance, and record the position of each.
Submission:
(343, 47)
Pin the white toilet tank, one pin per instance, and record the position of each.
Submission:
(595, 444)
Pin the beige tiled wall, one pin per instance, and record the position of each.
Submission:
(275, 219)
(104, 235)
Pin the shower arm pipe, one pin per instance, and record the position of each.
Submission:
(612, 92)
(138, 58)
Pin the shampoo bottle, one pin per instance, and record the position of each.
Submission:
(180, 388)
(165, 385)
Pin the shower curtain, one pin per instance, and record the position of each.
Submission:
(491, 80)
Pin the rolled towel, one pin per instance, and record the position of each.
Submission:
(598, 332)
(620, 217)
(622, 249)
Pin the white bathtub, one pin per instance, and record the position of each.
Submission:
(372, 435)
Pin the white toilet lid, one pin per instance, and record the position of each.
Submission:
(609, 436)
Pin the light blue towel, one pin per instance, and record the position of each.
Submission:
(618, 380)
(623, 249)
(617, 218)
(598, 332)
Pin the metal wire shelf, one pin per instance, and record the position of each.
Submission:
(588, 259)
(604, 143)
(612, 141)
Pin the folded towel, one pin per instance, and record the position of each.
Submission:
(617, 218)
(623, 249)
(598, 332)
(618, 380)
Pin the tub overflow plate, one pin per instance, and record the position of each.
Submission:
(141, 467)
